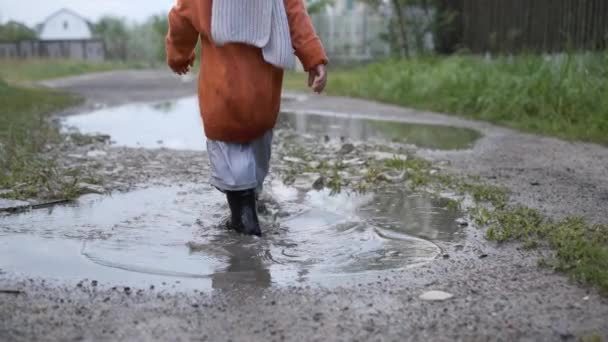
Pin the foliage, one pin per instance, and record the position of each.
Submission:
(13, 31)
(581, 250)
(134, 42)
(25, 134)
(316, 6)
(115, 35)
(409, 24)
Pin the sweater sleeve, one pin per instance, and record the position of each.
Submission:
(305, 41)
(181, 38)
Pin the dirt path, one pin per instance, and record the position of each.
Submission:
(499, 293)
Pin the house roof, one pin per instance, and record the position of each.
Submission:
(64, 10)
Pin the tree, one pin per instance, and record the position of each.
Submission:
(14, 31)
(411, 21)
(317, 6)
(115, 34)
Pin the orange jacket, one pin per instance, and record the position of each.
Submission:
(239, 93)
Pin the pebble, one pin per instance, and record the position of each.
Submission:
(96, 153)
(319, 184)
(86, 188)
(293, 160)
(436, 296)
(462, 222)
(347, 148)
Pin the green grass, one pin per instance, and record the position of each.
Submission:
(563, 97)
(42, 69)
(25, 136)
(581, 250)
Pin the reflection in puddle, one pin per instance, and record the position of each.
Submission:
(177, 125)
(143, 237)
(361, 129)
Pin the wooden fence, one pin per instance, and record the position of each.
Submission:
(90, 50)
(531, 25)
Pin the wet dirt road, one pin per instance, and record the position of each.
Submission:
(499, 293)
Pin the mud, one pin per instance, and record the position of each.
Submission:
(499, 292)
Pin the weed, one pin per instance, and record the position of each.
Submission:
(25, 139)
(581, 250)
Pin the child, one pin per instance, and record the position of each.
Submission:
(242, 61)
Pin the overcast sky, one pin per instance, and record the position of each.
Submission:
(33, 12)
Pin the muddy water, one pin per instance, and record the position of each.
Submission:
(177, 234)
(177, 125)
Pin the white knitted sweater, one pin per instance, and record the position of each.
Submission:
(261, 23)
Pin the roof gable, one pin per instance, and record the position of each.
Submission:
(67, 11)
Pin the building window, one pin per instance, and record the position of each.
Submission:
(66, 25)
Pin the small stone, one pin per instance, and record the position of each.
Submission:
(446, 256)
(293, 160)
(354, 162)
(317, 317)
(392, 178)
(96, 153)
(347, 148)
(86, 188)
(436, 296)
(94, 283)
(483, 256)
(319, 184)
(314, 164)
(462, 222)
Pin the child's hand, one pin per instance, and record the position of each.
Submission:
(182, 70)
(317, 78)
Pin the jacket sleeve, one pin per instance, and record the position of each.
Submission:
(305, 41)
(181, 38)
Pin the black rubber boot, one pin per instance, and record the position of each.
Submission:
(244, 217)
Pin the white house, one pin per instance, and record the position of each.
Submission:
(65, 25)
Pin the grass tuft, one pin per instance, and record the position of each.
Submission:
(25, 135)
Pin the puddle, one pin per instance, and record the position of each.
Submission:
(177, 125)
(360, 129)
(175, 234)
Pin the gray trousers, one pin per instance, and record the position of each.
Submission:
(236, 167)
